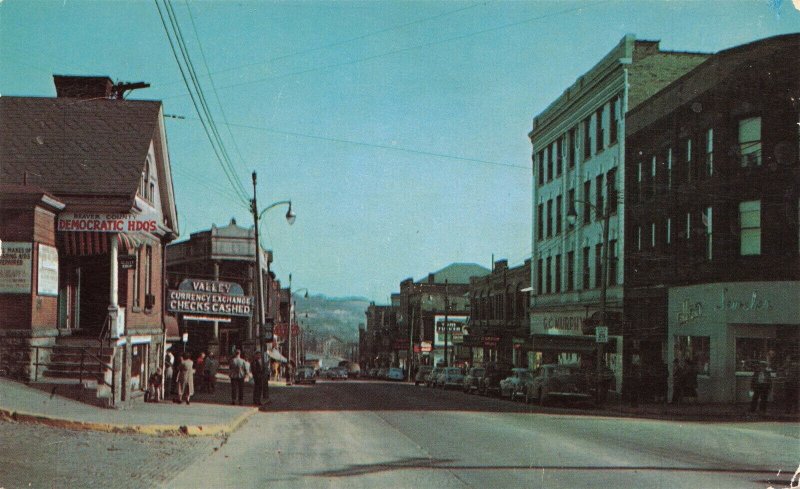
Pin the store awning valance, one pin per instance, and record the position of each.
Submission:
(91, 243)
(276, 355)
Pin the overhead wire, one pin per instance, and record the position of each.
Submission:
(199, 91)
(235, 183)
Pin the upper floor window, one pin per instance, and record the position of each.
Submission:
(540, 222)
(587, 138)
(709, 153)
(549, 218)
(612, 262)
(571, 148)
(539, 276)
(549, 276)
(612, 121)
(599, 129)
(559, 211)
(559, 155)
(750, 227)
(707, 222)
(669, 168)
(587, 196)
(586, 268)
(550, 163)
(571, 200)
(570, 270)
(558, 274)
(688, 160)
(611, 190)
(668, 231)
(750, 141)
(541, 167)
(598, 265)
(599, 204)
(653, 175)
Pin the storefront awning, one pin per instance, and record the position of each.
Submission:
(92, 243)
(276, 355)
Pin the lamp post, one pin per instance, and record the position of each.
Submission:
(572, 217)
(290, 218)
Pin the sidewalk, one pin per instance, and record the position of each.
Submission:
(696, 412)
(20, 402)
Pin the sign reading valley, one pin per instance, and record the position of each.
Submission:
(210, 297)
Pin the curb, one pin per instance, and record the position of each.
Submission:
(150, 430)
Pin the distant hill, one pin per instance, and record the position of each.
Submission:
(332, 316)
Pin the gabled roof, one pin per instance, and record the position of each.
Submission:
(77, 148)
(457, 273)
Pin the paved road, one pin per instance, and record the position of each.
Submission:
(378, 434)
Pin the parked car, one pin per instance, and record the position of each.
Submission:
(473, 379)
(395, 373)
(495, 372)
(305, 375)
(511, 384)
(422, 373)
(452, 377)
(338, 373)
(381, 373)
(566, 382)
(430, 380)
(373, 373)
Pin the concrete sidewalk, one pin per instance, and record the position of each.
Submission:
(20, 402)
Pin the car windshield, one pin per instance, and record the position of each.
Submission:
(477, 372)
(453, 371)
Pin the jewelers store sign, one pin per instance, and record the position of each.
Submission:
(210, 297)
(15, 267)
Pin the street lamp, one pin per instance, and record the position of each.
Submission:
(290, 218)
(572, 218)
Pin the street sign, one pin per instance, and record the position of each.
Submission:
(601, 334)
(268, 331)
(126, 262)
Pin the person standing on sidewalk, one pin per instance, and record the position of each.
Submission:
(210, 373)
(760, 385)
(169, 363)
(261, 372)
(238, 371)
(635, 379)
(185, 379)
(791, 385)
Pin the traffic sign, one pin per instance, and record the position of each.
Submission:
(601, 334)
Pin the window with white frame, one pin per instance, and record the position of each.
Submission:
(750, 227)
(710, 152)
(668, 236)
(652, 234)
(688, 225)
(708, 225)
(653, 175)
(639, 238)
(669, 168)
(750, 141)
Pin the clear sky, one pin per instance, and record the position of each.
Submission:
(399, 129)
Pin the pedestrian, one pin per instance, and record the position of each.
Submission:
(153, 392)
(791, 385)
(169, 363)
(200, 371)
(635, 380)
(185, 379)
(690, 379)
(210, 373)
(678, 379)
(760, 385)
(260, 370)
(237, 371)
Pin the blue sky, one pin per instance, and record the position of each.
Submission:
(399, 129)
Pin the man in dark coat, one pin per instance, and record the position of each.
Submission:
(211, 367)
(760, 385)
(260, 370)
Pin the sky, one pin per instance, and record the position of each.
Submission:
(397, 128)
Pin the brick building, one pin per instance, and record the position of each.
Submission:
(711, 262)
(499, 323)
(86, 210)
(578, 145)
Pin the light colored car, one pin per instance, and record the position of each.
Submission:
(305, 375)
(566, 382)
(452, 377)
(472, 380)
(430, 380)
(422, 373)
(510, 386)
(395, 373)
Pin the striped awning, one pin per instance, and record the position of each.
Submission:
(89, 243)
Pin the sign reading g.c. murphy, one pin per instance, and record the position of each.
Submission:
(210, 297)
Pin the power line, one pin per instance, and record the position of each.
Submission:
(381, 146)
(411, 48)
(235, 183)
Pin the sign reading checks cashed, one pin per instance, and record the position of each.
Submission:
(210, 297)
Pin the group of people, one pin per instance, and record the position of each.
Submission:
(181, 375)
(240, 370)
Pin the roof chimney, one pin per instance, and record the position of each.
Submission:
(69, 86)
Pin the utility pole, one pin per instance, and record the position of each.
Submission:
(446, 325)
(410, 322)
(259, 278)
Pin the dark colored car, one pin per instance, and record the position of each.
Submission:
(472, 380)
(495, 372)
(563, 382)
(422, 374)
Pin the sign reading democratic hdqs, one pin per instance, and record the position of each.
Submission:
(108, 223)
(210, 297)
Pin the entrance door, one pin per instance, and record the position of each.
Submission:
(228, 339)
(69, 292)
(93, 299)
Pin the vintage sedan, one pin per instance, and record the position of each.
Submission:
(472, 380)
(510, 386)
(450, 377)
(395, 373)
(495, 372)
(430, 380)
(305, 375)
(553, 381)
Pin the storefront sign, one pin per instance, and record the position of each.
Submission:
(108, 223)
(210, 297)
(689, 311)
(126, 262)
(564, 324)
(753, 302)
(15, 267)
(47, 278)
(455, 330)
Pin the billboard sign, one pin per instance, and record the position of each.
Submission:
(455, 330)
(15, 267)
(210, 297)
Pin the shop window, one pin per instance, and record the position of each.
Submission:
(752, 351)
(750, 141)
(750, 224)
(695, 351)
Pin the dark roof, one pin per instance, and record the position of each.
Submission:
(77, 148)
(767, 56)
(457, 273)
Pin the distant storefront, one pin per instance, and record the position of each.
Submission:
(726, 328)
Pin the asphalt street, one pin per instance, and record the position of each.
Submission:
(381, 434)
